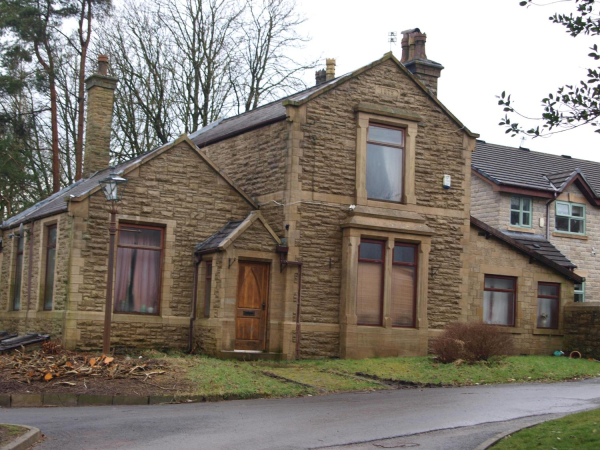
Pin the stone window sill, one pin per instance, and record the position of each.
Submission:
(569, 236)
(548, 332)
(520, 229)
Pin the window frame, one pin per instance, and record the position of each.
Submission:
(416, 283)
(207, 288)
(18, 274)
(382, 293)
(521, 211)
(387, 144)
(579, 292)
(162, 229)
(570, 217)
(48, 247)
(554, 297)
(514, 291)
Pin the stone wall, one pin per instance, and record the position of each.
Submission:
(254, 160)
(582, 329)
(493, 257)
(32, 317)
(485, 203)
(256, 238)
(181, 192)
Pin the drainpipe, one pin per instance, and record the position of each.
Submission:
(29, 274)
(548, 215)
(197, 262)
(284, 262)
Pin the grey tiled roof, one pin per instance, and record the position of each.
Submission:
(532, 170)
(541, 246)
(213, 242)
(263, 115)
(546, 254)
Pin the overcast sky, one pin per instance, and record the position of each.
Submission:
(485, 46)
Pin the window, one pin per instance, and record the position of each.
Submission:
(579, 292)
(499, 300)
(369, 296)
(50, 264)
(548, 302)
(404, 285)
(520, 211)
(570, 217)
(207, 288)
(385, 161)
(16, 304)
(139, 259)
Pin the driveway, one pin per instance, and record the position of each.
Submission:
(308, 422)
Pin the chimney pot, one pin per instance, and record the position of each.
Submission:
(415, 59)
(103, 65)
(320, 77)
(330, 72)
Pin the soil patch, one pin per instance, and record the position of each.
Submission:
(9, 433)
(56, 371)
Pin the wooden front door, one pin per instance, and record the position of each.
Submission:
(251, 307)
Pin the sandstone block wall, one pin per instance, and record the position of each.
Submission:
(582, 329)
(493, 257)
(32, 317)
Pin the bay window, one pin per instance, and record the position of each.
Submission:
(499, 298)
(548, 304)
(404, 285)
(369, 296)
(139, 269)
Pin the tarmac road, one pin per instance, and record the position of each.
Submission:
(312, 422)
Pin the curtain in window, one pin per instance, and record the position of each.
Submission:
(368, 297)
(384, 172)
(138, 271)
(403, 295)
(498, 308)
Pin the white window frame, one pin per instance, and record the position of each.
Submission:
(580, 292)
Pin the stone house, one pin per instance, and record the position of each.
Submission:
(332, 223)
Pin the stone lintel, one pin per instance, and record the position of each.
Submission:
(388, 111)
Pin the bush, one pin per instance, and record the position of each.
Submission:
(471, 342)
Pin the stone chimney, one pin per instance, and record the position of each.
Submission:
(101, 94)
(320, 77)
(415, 59)
(330, 71)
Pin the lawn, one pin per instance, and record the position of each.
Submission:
(239, 379)
(577, 431)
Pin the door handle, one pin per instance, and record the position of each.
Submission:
(263, 306)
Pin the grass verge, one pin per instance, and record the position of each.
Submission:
(9, 433)
(240, 379)
(577, 431)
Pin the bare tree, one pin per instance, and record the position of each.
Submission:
(266, 70)
(203, 32)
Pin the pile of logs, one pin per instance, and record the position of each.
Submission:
(53, 363)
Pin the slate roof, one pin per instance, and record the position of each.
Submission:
(213, 242)
(532, 170)
(546, 254)
(261, 116)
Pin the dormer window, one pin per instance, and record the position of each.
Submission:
(520, 211)
(385, 163)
